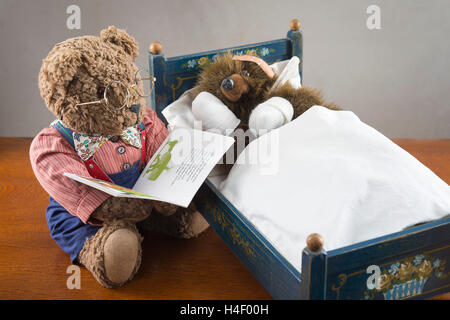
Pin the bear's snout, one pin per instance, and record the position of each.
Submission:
(234, 87)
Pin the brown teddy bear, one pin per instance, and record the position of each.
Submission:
(245, 82)
(92, 85)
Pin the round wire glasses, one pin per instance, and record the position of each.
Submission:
(142, 75)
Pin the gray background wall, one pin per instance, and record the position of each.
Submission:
(396, 79)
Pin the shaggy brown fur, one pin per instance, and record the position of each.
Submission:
(211, 77)
(78, 70)
(184, 223)
(132, 210)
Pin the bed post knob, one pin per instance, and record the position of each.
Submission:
(314, 242)
(295, 25)
(155, 47)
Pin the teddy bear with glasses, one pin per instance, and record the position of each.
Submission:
(103, 130)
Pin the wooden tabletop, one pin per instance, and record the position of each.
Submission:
(32, 266)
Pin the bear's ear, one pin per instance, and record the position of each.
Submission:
(57, 71)
(120, 38)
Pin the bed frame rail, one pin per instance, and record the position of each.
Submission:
(270, 268)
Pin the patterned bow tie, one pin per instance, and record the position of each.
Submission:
(86, 145)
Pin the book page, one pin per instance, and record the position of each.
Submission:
(181, 165)
(109, 188)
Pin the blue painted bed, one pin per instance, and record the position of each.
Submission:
(409, 264)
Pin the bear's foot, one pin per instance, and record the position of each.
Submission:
(186, 223)
(113, 254)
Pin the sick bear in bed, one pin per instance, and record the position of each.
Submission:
(92, 85)
(260, 98)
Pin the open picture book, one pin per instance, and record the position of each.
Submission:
(176, 170)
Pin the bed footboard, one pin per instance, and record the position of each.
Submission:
(411, 264)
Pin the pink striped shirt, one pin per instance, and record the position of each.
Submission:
(51, 155)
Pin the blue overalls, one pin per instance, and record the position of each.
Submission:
(69, 231)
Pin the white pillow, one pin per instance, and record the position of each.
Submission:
(287, 70)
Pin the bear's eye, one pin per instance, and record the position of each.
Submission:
(100, 92)
(245, 73)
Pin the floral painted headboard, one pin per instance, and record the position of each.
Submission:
(177, 74)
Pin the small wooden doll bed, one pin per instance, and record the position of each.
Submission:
(410, 264)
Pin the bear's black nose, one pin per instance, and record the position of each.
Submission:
(135, 108)
(228, 84)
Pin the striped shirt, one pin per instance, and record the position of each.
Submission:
(51, 156)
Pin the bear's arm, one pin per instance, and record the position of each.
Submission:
(51, 155)
(301, 99)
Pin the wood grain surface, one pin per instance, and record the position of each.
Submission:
(32, 266)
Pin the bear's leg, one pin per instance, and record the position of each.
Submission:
(113, 254)
(185, 223)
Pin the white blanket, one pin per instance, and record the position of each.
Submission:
(328, 172)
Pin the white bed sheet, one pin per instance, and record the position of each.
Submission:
(335, 176)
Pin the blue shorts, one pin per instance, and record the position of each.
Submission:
(69, 231)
